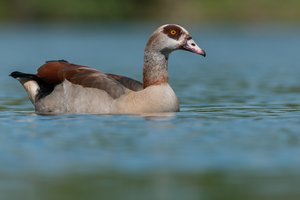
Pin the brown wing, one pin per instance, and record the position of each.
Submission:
(127, 82)
(55, 72)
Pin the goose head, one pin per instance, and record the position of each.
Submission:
(171, 37)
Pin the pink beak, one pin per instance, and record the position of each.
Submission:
(191, 46)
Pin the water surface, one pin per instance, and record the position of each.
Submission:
(236, 137)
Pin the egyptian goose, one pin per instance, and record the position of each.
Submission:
(61, 87)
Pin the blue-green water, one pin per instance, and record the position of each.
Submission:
(237, 135)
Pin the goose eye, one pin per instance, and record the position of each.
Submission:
(173, 32)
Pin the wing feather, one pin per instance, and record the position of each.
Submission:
(55, 72)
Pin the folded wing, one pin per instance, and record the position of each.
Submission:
(55, 72)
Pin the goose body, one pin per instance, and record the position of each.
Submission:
(61, 87)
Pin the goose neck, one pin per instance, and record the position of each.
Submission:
(155, 70)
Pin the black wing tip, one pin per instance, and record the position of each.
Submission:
(16, 74)
(62, 60)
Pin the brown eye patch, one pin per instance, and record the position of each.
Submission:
(173, 31)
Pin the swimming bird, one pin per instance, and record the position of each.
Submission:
(60, 87)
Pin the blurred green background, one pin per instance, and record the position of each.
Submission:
(204, 11)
